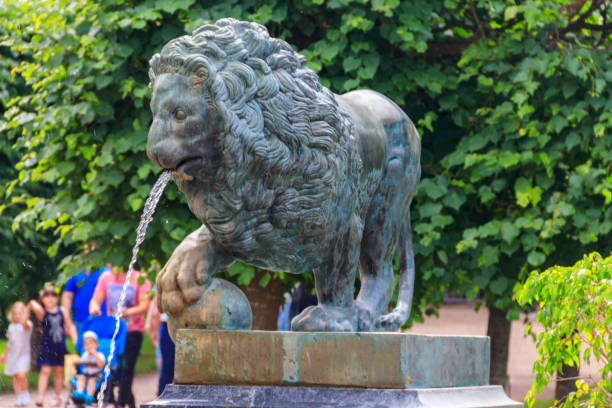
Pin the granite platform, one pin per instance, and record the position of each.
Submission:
(237, 396)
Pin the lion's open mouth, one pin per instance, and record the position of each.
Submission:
(186, 168)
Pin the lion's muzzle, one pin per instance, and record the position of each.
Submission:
(167, 152)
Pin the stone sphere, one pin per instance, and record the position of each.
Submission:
(222, 306)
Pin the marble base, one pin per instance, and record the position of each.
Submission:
(330, 359)
(245, 396)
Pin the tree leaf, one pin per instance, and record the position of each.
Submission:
(536, 258)
(499, 285)
(511, 12)
(508, 231)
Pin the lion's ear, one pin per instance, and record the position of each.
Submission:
(199, 77)
(152, 76)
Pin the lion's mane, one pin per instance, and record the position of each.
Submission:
(287, 158)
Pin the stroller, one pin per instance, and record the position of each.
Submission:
(104, 327)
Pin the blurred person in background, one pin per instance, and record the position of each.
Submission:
(56, 323)
(16, 355)
(109, 288)
(157, 327)
(79, 290)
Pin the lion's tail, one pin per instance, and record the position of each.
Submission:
(406, 261)
(404, 242)
(395, 320)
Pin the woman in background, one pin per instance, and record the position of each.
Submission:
(109, 288)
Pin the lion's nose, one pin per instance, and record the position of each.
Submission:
(161, 153)
(166, 152)
(153, 156)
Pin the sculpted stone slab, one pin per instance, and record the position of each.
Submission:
(226, 396)
(378, 360)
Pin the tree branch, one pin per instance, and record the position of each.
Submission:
(579, 23)
(595, 27)
(452, 25)
(477, 20)
(430, 169)
(438, 49)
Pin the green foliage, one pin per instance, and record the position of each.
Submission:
(527, 181)
(511, 98)
(25, 263)
(576, 314)
(82, 127)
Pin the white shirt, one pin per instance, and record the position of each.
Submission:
(89, 358)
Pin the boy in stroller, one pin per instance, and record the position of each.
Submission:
(93, 362)
(94, 345)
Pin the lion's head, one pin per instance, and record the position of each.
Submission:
(247, 127)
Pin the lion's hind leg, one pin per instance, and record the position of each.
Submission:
(387, 222)
(377, 249)
(395, 320)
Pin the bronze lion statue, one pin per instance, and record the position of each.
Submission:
(284, 175)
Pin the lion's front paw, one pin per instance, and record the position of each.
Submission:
(182, 281)
(364, 317)
(323, 318)
(392, 321)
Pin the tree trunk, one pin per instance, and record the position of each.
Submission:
(265, 302)
(499, 332)
(564, 387)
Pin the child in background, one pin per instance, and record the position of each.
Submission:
(16, 356)
(55, 322)
(94, 363)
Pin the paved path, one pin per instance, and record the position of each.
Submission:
(462, 319)
(144, 387)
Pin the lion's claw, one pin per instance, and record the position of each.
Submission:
(171, 302)
(392, 321)
(364, 317)
(182, 280)
(322, 318)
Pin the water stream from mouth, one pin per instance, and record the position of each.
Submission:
(145, 219)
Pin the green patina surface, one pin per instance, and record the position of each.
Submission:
(284, 175)
(221, 306)
(378, 360)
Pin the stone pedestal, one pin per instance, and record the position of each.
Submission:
(243, 396)
(379, 360)
(330, 369)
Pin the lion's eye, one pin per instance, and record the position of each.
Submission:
(180, 114)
